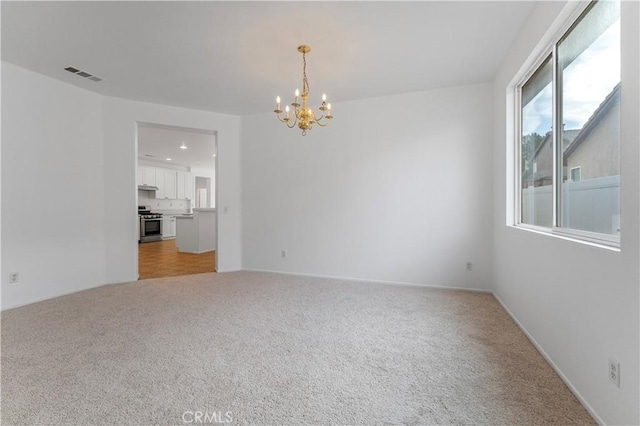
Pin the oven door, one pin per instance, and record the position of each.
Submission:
(150, 229)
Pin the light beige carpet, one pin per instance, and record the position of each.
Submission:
(274, 349)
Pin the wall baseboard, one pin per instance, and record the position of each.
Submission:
(55, 296)
(398, 283)
(65, 293)
(547, 358)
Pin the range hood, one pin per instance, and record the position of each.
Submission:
(147, 188)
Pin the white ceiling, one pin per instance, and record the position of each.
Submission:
(157, 143)
(234, 57)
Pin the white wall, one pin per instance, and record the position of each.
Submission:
(394, 189)
(52, 187)
(579, 303)
(69, 185)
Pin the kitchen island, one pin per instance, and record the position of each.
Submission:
(196, 233)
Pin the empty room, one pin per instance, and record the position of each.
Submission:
(293, 213)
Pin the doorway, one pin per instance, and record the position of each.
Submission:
(176, 181)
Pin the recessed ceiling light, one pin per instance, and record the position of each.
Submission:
(183, 146)
(168, 159)
(213, 155)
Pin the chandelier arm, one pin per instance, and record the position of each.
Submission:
(282, 120)
(287, 121)
(326, 119)
(322, 125)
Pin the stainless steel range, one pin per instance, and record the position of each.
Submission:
(150, 225)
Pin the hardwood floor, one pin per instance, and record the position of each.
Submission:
(162, 259)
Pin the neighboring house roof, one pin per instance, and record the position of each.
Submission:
(609, 102)
(573, 138)
(569, 136)
(542, 143)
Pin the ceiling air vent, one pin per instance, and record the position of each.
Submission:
(83, 74)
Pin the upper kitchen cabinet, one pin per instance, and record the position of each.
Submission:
(146, 176)
(171, 184)
(184, 188)
(166, 183)
(188, 187)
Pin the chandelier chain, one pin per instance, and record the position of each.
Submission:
(305, 82)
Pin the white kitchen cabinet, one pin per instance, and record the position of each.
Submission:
(170, 184)
(146, 176)
(172, 227)
(160, 183)
(165, 227)
(168, 227)
(184, 188)
(166, 183)
(180, 185)
(188, 187)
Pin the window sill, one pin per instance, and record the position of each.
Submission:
(581, 239)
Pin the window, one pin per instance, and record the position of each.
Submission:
(576, 174)
(569, 131)
(536, 148)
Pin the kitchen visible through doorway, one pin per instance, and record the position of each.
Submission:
(176, 186)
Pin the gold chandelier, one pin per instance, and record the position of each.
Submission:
(305, 118)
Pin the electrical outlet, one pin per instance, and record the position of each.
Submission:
(614, 371)
(469, 266)
(14, 277)
(283, 254)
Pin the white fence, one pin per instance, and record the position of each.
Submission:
(589, 205)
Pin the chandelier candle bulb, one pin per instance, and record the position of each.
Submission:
(324, 97)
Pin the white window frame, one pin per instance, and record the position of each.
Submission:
(539, 57)
(579, 168)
